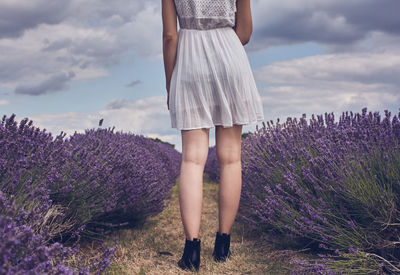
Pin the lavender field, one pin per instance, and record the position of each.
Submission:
(332, 187)
(327, 187)
(54, 192)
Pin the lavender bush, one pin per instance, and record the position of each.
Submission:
(327, 185)
(28, 217)
(53, 192)
(110, 179)
(26, 153)
(212, 167)
(22, 250)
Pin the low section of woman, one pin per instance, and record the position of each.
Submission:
(209, 83)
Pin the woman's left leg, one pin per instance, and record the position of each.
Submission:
(228, 148)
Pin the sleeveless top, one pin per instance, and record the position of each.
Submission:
(205, 14)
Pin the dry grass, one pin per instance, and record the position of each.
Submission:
(157, 245)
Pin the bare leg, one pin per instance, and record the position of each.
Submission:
(194, 156)
(228, 143)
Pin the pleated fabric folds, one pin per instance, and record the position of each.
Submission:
(212, 82)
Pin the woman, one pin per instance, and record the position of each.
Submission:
(209, 83)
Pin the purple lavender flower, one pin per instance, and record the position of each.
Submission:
(338, 179)
(352, 250)
(54, 191)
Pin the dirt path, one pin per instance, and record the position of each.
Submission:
(156, 246)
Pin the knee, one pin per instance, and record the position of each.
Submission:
(195, 156)
(228, 155)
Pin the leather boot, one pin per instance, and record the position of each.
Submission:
(191, 255)
(221, 247)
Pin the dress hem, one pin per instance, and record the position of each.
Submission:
(225, 126)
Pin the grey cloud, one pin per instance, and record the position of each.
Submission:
(103, 52)
(371, 15)
(54, 83)
(97, 49)
(20, 68)
(116, 104)
(81, 36)
(18, 16)
(104, 12)
(134, 83)
(57, 44)
(327, 22)
(366, 68)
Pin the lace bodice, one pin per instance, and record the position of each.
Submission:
(205, 14)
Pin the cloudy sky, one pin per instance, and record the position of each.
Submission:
(67, 64)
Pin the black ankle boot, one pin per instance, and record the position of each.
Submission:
(221, 247)
(191, 255)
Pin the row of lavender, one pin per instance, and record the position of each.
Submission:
(333, 187)
(212, 166)
(53, 192)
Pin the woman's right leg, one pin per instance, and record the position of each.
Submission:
(195, 145)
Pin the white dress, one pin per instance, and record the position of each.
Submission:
(212, 82)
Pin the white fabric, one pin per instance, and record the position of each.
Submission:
(212, 81)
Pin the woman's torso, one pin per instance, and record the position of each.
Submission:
(205, 14)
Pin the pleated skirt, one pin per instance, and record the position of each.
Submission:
(212, 82)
